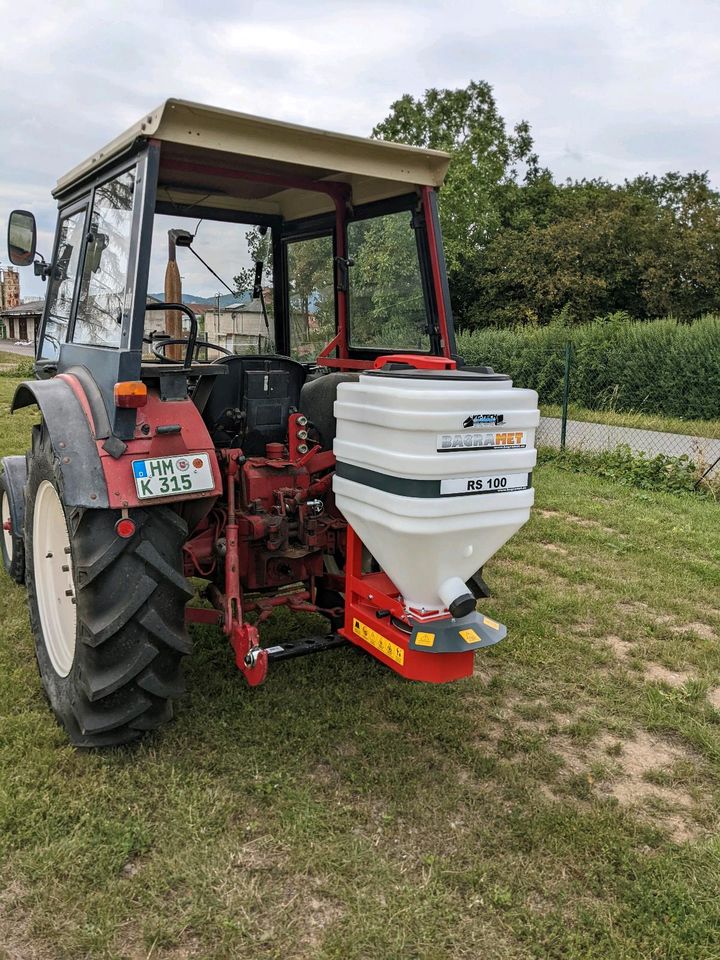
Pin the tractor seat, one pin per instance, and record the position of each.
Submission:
(317, 402)
(249, 407)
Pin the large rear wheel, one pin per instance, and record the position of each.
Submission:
(107, 613)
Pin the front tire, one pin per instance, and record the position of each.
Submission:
(107, 614)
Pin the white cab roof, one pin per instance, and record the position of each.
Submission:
(193, 135)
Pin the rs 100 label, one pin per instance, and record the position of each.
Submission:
(494, 483)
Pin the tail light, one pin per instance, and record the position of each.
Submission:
(130, 393)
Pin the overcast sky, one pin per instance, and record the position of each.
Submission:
(610, 89)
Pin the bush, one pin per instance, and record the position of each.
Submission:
(657, 366)
(660, 473)
(23, 370)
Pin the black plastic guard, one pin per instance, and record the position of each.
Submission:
(456, 635)
(15, 471)
(72, 442)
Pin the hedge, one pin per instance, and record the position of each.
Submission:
(651, 366)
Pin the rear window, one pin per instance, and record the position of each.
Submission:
(386, 299)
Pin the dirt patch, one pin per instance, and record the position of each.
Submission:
(621, 648)
(714, 697)
(15, 941)
(624, 770)
(638, 758)
(654, 673)
(485, 670)
(702, 630)
(319, 912)
(554, 548)
(632, 607)
(258, 855)
(638, 607)
(578, 521)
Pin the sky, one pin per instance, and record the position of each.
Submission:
(611, 89)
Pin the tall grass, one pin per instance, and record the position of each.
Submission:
(657, 366)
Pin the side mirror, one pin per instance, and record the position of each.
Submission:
(22, 238)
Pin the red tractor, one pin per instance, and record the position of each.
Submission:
(172, 447)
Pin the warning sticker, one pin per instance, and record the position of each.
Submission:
(380, 643)
(469, 636)
(491, 623)
(424, 639)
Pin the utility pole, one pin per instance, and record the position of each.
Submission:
(173, 294)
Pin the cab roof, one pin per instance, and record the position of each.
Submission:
(205, 150)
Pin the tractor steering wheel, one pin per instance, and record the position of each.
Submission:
(158, 347)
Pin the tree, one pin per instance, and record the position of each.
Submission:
(591, 248)
(486, 158)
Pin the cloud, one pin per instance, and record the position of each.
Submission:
(611, 88)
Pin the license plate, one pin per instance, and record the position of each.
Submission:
(172, 476)
(492, 483)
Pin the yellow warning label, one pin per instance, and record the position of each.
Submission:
(491, 623)
(424, 639)
(469, 636)
(380, 643)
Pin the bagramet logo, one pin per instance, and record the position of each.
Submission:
(505, 440)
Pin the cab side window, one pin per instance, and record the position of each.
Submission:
(104, 299)
(62, 284)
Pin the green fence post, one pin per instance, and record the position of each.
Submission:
(566, 394)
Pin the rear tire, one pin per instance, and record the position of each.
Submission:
(11, 543)
(112, 670)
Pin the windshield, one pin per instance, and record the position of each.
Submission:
(221, 291)
(387, 305)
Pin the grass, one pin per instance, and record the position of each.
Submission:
(560, 803)
(639, 421)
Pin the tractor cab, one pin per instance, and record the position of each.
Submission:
(313, 254)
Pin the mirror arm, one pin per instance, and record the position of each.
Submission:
(41, 268)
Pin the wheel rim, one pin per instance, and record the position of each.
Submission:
(6, 525)
(54, 583)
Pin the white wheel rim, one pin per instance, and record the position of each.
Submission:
(54, 584)
(6, 525)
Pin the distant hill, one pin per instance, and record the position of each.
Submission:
(225, 300)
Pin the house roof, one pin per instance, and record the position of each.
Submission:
(32, 307)
(205, 151)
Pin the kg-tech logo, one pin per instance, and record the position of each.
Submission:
(479, 419)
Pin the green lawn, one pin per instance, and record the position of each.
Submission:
(561, 803)
(639, 421)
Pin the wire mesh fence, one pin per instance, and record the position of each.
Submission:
(590, 403)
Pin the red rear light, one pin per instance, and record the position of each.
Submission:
(125, 528)
(130, 393)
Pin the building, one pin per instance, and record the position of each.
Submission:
(240, 327)
(22, 322)
(9, 288)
